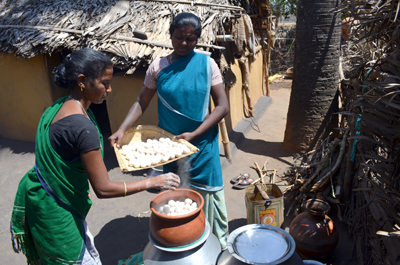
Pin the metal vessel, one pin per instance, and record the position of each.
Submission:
(260, 245)
(205, 251)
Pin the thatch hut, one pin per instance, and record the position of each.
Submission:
(35, 36)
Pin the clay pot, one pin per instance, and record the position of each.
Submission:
(313, 231)
(181, 230)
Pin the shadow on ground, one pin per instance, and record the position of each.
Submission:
(121, 238)
(17, 147)
(259, 147)
(236, 223)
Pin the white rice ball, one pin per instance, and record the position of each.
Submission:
(164, 158)
(130, 157)
(136, 164)
(157, 159)
(185, 150)
(178, 152)
(149, 151)
(166, 209)
(133, 146)
(179, 209)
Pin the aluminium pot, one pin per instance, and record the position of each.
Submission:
(205, 253)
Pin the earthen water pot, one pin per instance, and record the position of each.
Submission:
(313, 231)
(180, 230)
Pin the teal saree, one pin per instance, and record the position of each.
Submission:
(183, 90)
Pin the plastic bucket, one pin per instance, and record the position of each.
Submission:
(255, 205)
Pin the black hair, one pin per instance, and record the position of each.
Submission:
(184, 19)
(86, 61)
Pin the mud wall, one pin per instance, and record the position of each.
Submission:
(28, 89)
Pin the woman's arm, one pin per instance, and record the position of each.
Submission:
(105, 188)
(134, 113)
(221, 109)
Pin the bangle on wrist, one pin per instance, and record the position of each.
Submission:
(125, 189)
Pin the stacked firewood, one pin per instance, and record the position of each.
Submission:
(315, 175)
(358, 171)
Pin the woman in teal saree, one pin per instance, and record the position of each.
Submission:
(184, 81)
(48, 219)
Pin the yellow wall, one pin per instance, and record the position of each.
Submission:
(125, 90)
(235, 95)
(28, 89)
(24, 95)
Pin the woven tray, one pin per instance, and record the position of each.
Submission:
(141, 134)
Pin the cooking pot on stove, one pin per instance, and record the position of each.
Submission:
(179, 230)
(260, 245)
(204, 251)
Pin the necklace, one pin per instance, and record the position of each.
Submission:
(84, 111)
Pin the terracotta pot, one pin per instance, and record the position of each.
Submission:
(313, 231)
(181, 230)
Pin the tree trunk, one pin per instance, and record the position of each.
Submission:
(314, 96)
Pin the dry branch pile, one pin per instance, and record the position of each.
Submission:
(366, 165)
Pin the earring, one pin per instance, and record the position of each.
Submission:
(81, 86)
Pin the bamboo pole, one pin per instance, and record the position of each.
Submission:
(265, 86)
(44, 28)
(225, 140)
(161, 44)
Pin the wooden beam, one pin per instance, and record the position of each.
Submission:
(199, 3)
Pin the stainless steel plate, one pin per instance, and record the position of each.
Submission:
(182, 248)
(261, 244)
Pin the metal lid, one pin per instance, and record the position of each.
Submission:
(261, 244)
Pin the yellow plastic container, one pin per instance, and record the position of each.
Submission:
(255, 204)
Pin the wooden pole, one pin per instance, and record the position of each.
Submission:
(225, 140)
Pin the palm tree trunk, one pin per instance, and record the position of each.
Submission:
(314, 97)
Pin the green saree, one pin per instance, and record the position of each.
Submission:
(51, 203)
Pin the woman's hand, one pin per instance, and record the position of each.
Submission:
(116, 138)
(168, 181)
(186, 136)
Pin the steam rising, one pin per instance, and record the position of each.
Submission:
(183, 171)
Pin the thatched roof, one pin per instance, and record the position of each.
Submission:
(133, 32)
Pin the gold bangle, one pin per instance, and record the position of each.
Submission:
(125, 189)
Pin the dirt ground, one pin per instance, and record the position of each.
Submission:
(120, 226)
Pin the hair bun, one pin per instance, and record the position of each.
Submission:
(60, 76)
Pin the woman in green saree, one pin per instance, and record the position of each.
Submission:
(184, 81)
(48, 220)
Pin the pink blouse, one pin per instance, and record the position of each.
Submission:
(158, 65)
